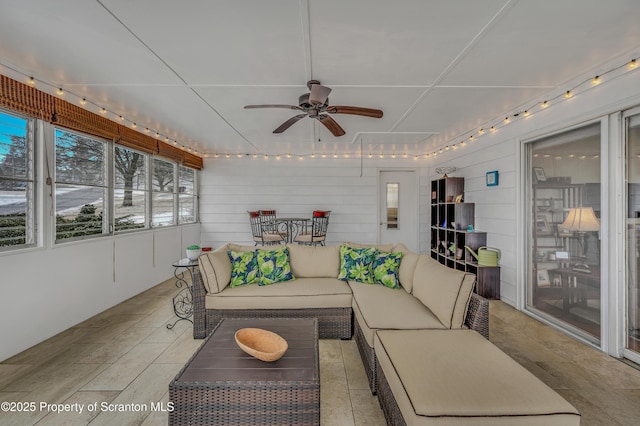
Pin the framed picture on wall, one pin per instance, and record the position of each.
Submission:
(492, 178)
(543, 278)
(539, 174)
(542, 225)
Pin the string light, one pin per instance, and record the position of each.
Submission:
(82, 100)
(567, 94)
(596, 80)
(632, 64)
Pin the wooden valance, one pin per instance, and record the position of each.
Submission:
(35, 103)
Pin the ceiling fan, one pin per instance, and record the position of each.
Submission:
(315, 104)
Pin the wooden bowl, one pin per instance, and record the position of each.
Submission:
(262, 344)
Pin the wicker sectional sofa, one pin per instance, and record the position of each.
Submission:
(405, 336)
(315, 293)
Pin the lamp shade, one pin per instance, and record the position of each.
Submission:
(581, 219)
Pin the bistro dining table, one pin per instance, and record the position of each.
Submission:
(290, 227)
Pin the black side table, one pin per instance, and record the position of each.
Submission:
(183, 300)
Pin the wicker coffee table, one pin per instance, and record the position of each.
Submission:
(221, 385)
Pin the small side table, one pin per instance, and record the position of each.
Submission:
(183, 300)
(488, 284)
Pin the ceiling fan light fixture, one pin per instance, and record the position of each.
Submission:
(315, 104)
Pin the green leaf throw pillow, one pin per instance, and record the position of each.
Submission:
(355, 264)
(274, 266)
(385, 268)
(244, 268)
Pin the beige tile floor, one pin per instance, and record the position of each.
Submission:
(126, 355)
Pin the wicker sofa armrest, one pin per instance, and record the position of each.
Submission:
(199, 310)
(478, 315)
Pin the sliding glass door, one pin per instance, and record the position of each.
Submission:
(632, 125)
(563, 205)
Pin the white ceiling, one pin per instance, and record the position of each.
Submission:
(437, 68)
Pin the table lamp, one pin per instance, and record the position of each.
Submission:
(581, 220)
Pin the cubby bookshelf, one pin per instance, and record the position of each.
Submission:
(450, 219)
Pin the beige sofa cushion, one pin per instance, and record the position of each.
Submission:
(407, 266)
(457, 377)
(377, 307)
(445, 291)
(314, 261)
(300, 293)
(238, 247)
(381, 247)
(215, 268)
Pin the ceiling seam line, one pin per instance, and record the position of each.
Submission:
(507, 6)
(175, 73)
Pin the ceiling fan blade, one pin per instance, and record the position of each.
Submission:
(366, 112)
(331, 125)
(290, 122)
(319, 94)
(273, 106)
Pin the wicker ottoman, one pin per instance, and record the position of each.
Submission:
(221, 385)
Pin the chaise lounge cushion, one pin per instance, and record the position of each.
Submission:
(314, 261)
(464, 379)
(376, 308)
(215, 267)
(301, 293)
(446, 292)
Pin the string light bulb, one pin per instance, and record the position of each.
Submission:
(83, 101)
(506, 120)
(32, 81)
(632, 64)
(103, 110)
(60, 92)
(567, 94)
(526, 113)
(596, 80)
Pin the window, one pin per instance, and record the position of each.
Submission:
(130, 193)
(17, 224)
(187, 197)
(164, 200)
(80, 186)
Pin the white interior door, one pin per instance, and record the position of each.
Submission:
(398, 208)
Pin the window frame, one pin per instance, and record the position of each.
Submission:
(193, 194)
(31, 182)
(147, 191)
(173, 192)
(107, 189)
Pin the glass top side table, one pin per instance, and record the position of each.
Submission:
(183, 300)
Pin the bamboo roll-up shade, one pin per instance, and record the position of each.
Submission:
(35, 103)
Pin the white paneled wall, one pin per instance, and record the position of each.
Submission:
(499, 208)
(232, 186)
(47, 290)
